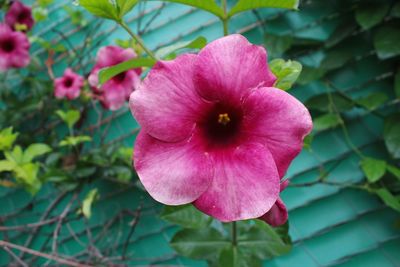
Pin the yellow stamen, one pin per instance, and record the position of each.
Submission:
(224, 118)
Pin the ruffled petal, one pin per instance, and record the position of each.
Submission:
(279, 121)
(229, 67)
(166, 104)
(172, 173)
(113, 96)
(245, 184)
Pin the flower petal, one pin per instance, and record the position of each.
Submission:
(113, 96)
(230, 66)
(277, 215)
(245, 184)
(280, 121)
(172, 173)
(166, 104)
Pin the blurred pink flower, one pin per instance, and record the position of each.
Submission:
(115, 92)
(69, 85)
(19, 14)
(278, 214)
(215, 132)
(14, 49)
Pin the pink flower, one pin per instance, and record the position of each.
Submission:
(215, 132)
(278, 214)
(69, 85)
(14, 49)
(19, 14)
(114, 93)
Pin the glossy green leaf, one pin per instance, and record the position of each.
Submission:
(187, 216)
(373, 169)
(286, 72)
(75, 140)
(70, 117)
(207, 5)
(327, 121)
(262, 241)
(197, 43)
(370, 15)
(234, 257)
(15, 155)
(323, 103)
(124, 6)
(88, 202)
(7, 138)
(101, 8)
(386, 42)
(391, 134)
(244, 5)
(388, 198)
(108, 73)
(373, 100)
(393, 170)
(204, 243)
(35, 150)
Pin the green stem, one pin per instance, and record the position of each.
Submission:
(225, 18)
(138, 40)
(234, 234)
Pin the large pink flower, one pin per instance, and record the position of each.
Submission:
(114, 93)
(19, 14)
(14, 49)
(69, 85)
(215, 132)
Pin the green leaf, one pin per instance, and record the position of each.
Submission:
(40, 14)
(373, 169)
(386, 42)
(187, 216)
(7, 138)
(309, 74)
(16, 155)
(393, 170)
(391, 134)
(263, 242)
(397, 83)
(286, 72)
(124, 6)
(370, 15)
(277, 45)
(70, 117)
(234, 257)
(243, 5)
(388, 198)
(6, 165)
(75, 140)
(373, 100)
(323, 103)
(88, 202)
(35, 150)
(101, 8)
(197, 43)
(204, 243)
(327, 121)
(26, 175)
(308, 141)
(207, 5)
(108, 73)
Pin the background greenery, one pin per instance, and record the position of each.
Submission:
(349, 51)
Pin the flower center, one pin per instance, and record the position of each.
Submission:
(68, 82)
(221, 125)
(7, 45)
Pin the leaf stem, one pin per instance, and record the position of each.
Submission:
(234, 234)
(138, 40)
(225, 19)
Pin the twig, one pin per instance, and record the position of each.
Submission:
(30, 225)
(12, 254)
(56, 258)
